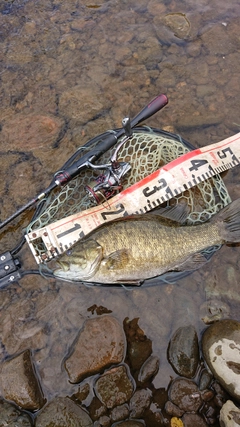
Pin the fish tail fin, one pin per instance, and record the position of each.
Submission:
(228, 220)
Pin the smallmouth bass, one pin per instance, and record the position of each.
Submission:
(130, 250)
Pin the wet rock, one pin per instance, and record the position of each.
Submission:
(103, 421)
(183, 352)
(62, 412)
(205, 379)
(190, 420)
(10, 416)
(140, 401)
(100, 344)
(220, 344)
(229, 415)
(120, 412)
(96, 409)
(19, 382)
(29, 132)
(173, 410)
(114, 387)
(149, 369)
(139, 346)
(178, 23)
(215, 39)
(129, 423)
(185, 394)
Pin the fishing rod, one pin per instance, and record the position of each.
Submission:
(66, 175)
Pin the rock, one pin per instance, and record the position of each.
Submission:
(178, 23)
(10, 416)
(19, 382)
(129, 423)
(96, 409)
(140, 401)
(62, 412)
(229, 415)
(101, 343)
(185, 394)
(149, 369)
(183, 351)
(220, 345)
(173, 410)
(120, 412)
(29, 132)
(190, 420)
(205, 379)
(114, 387)
(139, 347)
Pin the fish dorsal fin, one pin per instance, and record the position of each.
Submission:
(117, 260)
(177, 213)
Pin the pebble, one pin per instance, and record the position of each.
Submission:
(129, 423)
(190, 420)
(10, 416)
(114, 387)
(19, 382)
(100, 343)
(140, 401)
(183, 352)
(229, 415)
(62, 411)
(184, 394)
(149, 369)
(120, 412)
(221, 350)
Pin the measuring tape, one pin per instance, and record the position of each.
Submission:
(162, 185)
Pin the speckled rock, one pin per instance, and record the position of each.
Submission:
(62, 412)
(114, 387)
(129, 423)
(10, 416)
(140, 401)
(185, 394)
(190, 420)
(120, 412)
(183, 352)
(229, 415)
(220, 345)
(100, 344)
(19, 382)
(149, 369)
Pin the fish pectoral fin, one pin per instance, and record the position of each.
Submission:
(117, 260)
(193, 262)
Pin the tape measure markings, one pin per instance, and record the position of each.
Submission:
(162, 185)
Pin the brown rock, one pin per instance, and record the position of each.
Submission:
(62, 411)
(19, 382)
(114, 387)
(28, 132)
(100, 344)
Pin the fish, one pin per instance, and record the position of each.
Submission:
(132, 249)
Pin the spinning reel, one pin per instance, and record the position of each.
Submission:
(109, 182)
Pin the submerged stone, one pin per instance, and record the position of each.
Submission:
(19, 382)
(62, 412)
(149, 369)
(100, 344)
(140, 401)
(184, 393)
(229, 415)
(220, 345)
(10, 416)
(183, 351)
(114, 387)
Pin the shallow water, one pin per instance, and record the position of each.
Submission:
(70, 70)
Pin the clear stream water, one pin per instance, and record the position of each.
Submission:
(71, 70)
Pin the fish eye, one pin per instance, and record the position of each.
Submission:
(69, 252)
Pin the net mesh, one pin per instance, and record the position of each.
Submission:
(146, 151)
